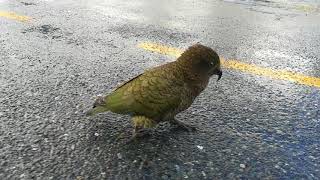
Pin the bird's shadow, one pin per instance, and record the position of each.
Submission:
(107, 141)
(115, 129)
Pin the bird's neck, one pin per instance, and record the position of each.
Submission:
(195, 80)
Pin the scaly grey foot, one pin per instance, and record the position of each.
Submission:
(183, 125)
(141, 133)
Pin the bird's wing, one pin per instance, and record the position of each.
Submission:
(132, 79)
(153, 94)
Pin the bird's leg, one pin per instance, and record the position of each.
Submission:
(182, 125)
(142, 132)
(142, 127)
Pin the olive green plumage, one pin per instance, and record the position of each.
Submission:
(160, 93)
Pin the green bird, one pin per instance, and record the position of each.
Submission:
(162, 92)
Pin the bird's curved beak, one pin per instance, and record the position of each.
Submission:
(219, 73)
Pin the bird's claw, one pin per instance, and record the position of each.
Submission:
(183, 126)
(120, 136)
(140, 134)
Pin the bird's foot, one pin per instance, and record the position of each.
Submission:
(141, 133)
(121, 136)
(183, 126)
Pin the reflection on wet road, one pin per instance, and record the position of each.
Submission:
(260, 121)
(300, 5)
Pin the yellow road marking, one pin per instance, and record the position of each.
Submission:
(161, 49)
(14, 16)
(250, 68)
(306, 8)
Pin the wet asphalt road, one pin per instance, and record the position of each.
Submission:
(249, 126)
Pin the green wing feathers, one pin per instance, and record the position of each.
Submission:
(151, 94)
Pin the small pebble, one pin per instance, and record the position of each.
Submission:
(177, 168)
(312, 157)
(242, 165)
(203, 174)
(119, 155)
(200, 147)
(279, 131)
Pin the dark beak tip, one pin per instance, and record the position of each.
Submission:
(219, 75)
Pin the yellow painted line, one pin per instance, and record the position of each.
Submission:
(161, 49)
(237, 65)
(14, 16)
(306, 8)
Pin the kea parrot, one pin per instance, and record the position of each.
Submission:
(162, 92)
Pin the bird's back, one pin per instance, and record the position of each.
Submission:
(156, 93)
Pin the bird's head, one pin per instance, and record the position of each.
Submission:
(98, 106)
(202, 59)
(100, 101)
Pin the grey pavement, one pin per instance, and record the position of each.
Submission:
(249, 126)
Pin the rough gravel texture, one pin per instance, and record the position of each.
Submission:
(249, 127)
